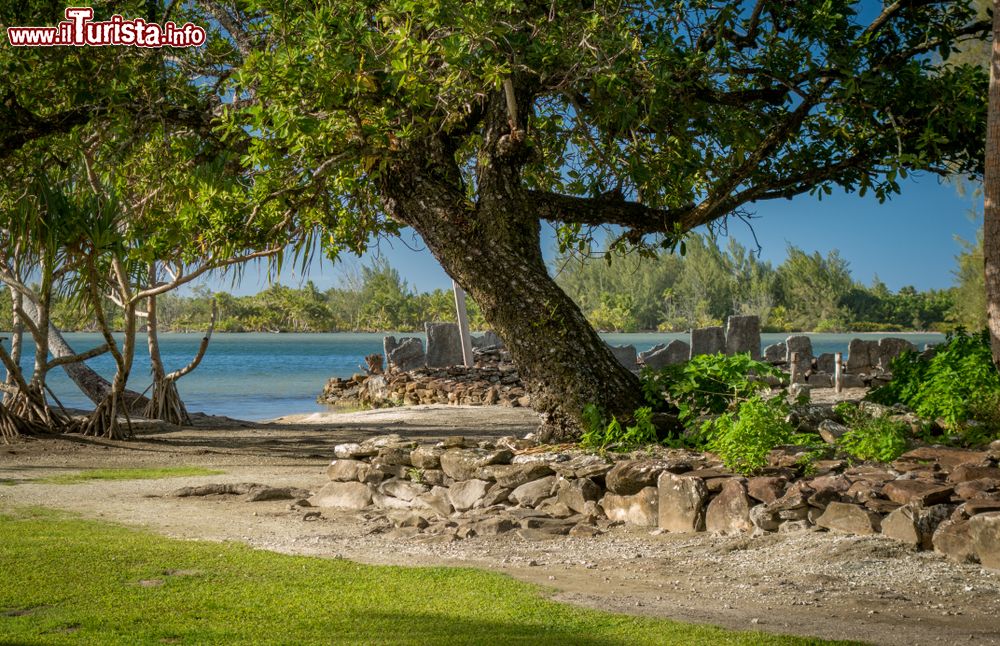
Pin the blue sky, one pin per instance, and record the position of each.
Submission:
(909, 240)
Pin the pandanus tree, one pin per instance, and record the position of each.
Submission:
(476, 122)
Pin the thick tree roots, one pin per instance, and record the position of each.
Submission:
(13, 426)
(166, 404)
(105, 422)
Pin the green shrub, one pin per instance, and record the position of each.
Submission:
(958, 385)
(743, 438)
(613, 436)
(874, 437)
(707, 384)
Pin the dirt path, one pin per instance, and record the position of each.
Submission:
(863, 588)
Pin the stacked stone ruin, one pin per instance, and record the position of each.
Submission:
(437, 375)
(945, 499)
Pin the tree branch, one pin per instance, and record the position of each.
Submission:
(77, 358)
(601, 211)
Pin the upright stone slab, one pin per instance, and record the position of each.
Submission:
(802, 346)
(405, 354)
(707, 340)
(626, 355)
(862, 356)
(681, 506)
(826, 362)
(776, 353)
(648, 353)
(889, 348)
(743, 335)
(444, 345)
(674, 352)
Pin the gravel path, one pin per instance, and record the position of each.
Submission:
(812, 583)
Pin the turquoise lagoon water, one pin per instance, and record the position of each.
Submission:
(262, 376)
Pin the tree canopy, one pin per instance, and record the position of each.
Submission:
(473, 122)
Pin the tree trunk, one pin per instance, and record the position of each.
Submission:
(165, 401)
(16, 340)
(493, 251)
(104, 420)
(991, 187)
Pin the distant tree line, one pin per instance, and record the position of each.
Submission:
(807, 291)
(669, 292)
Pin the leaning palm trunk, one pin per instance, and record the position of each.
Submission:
(91, 384)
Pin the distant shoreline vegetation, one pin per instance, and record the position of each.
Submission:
(668, 293)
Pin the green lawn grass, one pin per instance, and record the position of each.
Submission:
(127, 474)
(65, 580)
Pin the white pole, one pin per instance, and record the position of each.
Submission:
(463, 324)
(838, 372)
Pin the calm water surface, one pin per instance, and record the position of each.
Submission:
(261, 376)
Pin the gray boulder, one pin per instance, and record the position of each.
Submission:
(985, 532)
(743, 335)
(462, 464)
(801, 346)
(675, 352)
(626, 355)
(827, 362)
(953, 538)
(488, 339)
(681, 505)
(576, 493)
(345, 495)
(513, 476)
(820, 380)
(346, 470)
(776, 353)
(890, 348)
(464, 495)
(534, 492)
(862, 356)
(707, 340)
(444, 345)
(631, 476)
(640, 509)
(915, 525)
(406, 354)
(729, 512)
(851, 519)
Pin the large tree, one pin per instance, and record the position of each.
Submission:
(991, 188)
(475, 122)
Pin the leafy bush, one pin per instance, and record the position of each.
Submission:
(707, 384)
(744, 437)
(958, 385)
(612, 436)
(873, 437)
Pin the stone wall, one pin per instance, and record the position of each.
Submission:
(493, 381)
(410, 377)
(937, 498)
